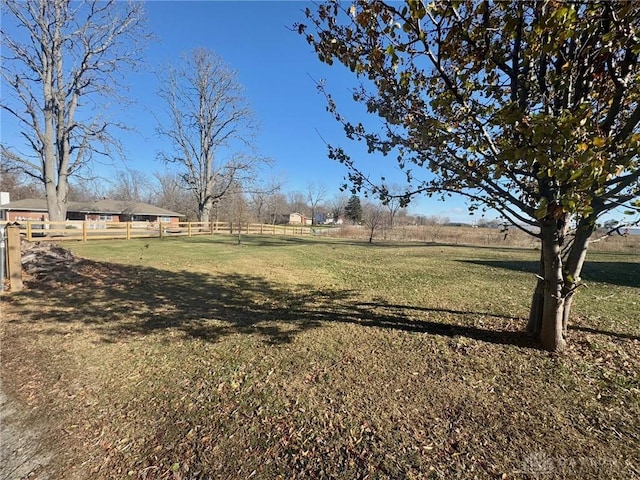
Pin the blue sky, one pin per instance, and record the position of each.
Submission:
(277, 68)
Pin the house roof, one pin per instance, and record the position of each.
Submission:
(118, 206)
(101, 206)
(32, 204)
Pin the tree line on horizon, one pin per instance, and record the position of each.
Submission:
(270, 205)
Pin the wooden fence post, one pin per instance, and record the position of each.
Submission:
(84, 231)
(128, 234)
(29, 237)
(14, 258)
(189, 229)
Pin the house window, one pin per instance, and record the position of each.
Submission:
(106, 218)
(164, 219)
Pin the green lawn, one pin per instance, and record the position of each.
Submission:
(305, 358)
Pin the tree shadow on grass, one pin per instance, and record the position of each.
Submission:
(624, 274)
(258, 240)
(118, 302)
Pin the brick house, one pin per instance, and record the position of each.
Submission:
(99, 211)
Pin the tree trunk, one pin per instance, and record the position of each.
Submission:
(551, 334)
(574, 263)
(204, 211)
(537, 303)
(548, 305)
(56, 203)
(557, 283)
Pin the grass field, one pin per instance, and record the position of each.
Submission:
(316, 358)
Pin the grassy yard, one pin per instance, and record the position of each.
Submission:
(304, 358)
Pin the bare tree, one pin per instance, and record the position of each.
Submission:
(337, 206)
(210, 125)
(59, 59)
(297, 202)
(373, 217)
(435, 224)
(82, 189)
(278, 208)
(260, 200)
(393, 201)
(315, 194)
(172, 195)
(18, 185)
(130, 186)
(238, 208)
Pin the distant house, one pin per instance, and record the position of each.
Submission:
(320, 218)
(100, 211)
(299, 219)
(334, 221)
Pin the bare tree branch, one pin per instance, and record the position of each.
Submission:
(56, 54)
(210, 126)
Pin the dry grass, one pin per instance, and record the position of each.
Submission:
(308, 358)
(490, 237)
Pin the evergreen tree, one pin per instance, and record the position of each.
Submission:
(353, 210)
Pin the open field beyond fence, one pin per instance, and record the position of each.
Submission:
(468, 235)
(308, 357)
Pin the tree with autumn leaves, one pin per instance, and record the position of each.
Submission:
(531, 108)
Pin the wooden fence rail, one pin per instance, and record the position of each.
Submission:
(37, 230)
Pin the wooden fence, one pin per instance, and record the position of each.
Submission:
(35, 230)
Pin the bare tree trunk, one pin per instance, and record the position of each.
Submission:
(548, 305)
(537, 303)
(57, 201)
(204, 211)
(574, 264)
(551, 332)
(555, 290)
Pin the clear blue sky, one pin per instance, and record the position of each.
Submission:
(276, 67)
